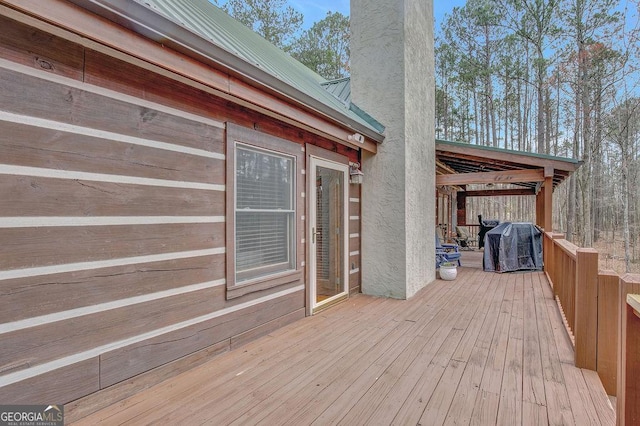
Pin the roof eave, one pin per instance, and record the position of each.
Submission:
(154, 26)
(560, 163)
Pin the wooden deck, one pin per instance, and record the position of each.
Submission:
(483, 349)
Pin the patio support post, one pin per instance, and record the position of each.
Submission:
(628, 395)
(393, 79)
(548, 199)
(461, 208)
(540, 209)
(586, 320)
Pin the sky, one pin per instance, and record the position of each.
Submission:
(315, 10)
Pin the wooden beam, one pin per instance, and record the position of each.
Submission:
(548, 203)
(442, 168)
(500, 192)
(507, 176)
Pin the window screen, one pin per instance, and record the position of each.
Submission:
(265, 213)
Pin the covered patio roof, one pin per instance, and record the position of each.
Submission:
(484, 164)
(459, 164)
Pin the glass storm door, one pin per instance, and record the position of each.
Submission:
(328, 227)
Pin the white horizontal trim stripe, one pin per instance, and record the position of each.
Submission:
(354, 217)
(85, 266)
(354, 235)
(92, 353)
(354, 253)
(102, 307)
(6, 169)
(354, 200)
(354, 271)
(46, 221)
(54, 78)
(103, 134)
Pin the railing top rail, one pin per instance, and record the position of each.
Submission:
(569, 248)
(634, 301)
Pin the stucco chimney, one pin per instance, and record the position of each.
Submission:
(392, 78)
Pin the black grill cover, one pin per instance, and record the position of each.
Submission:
(513, 247)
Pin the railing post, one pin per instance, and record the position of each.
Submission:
(628, 397)
(608, 306)
(586, 308)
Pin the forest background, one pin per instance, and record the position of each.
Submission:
(555, 77)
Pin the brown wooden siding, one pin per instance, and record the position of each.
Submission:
(354, 241)
(112, 227)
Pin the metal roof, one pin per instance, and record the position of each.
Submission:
(460, 157)
(201, 27)
(340, 88)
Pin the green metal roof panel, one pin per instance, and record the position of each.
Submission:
(340, 88)
(212, 24)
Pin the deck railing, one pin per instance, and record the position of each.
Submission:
(594, 304)
(628, 401)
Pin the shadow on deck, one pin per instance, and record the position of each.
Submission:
(483, 349)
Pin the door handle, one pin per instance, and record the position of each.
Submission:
(313, 235)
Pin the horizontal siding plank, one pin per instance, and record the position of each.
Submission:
(266, 328)
(42, 295)
(32, 47)
(114, 74)
(27, 145)
(41, 196)
(354, 244)
(82, 407)
(354, 191)
(354, 278)
(33, 247)
(40, 344)
(126, 362)
(354, 209)
(37, 345)
(22, 94)
(55, 387)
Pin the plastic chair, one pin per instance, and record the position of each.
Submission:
(446, 252)
(463, 238)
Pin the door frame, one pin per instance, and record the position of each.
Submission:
(318, 156)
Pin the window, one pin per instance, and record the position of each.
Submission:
(263, 205)
(264, 213)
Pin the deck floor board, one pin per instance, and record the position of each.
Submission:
(484, 349)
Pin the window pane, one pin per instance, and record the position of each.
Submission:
(265, 216)
(263, 239)
(264, 181)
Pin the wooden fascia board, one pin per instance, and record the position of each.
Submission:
(509, 157)
(499, 192)
(508, 176)
(83, 27)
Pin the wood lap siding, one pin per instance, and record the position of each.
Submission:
(112, 262)
(354, 241)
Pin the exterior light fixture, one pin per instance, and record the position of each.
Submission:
(355, 174)
(356, 137)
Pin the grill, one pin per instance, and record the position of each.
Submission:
(486, 225)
